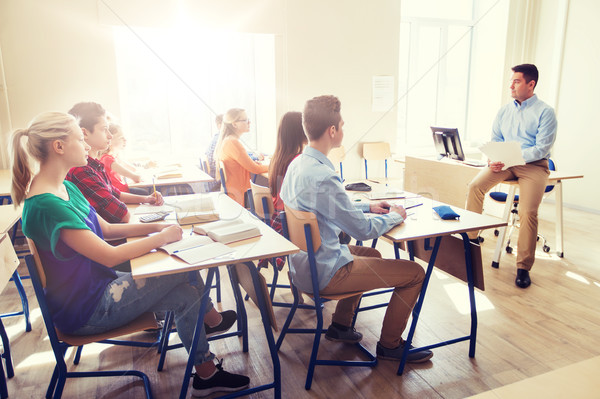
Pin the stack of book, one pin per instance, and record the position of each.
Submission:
(199, 210)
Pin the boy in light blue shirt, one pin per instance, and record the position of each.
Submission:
(311, 185)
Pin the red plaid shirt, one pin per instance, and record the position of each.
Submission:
(95, 185)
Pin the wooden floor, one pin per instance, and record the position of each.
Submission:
(522, 334)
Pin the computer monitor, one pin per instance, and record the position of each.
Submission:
(447, 142)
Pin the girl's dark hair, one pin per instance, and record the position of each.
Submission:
(290, 141)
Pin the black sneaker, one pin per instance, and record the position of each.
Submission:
(350, 336)
(221, 381)
(396, 354)
(229, 318)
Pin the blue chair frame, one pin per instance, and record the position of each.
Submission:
(266, 217)
(16, 278)
(319, 301)
(59, 347)
(10, 372)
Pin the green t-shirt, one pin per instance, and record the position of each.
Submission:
(74, 284)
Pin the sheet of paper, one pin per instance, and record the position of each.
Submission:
(507, 152)
(205, 252)
(186, 243)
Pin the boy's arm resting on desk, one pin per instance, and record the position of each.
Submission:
(350, 216)
(88, 244)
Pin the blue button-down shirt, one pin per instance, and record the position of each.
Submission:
(531, 123)
(311, 185)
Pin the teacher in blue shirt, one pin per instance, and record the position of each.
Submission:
(532, 123)
(312, 185)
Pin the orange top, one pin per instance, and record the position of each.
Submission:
(238, 166)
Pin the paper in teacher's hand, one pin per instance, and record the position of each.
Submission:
(507, 152)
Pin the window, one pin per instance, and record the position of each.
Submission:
(173, 82)
(450, 69)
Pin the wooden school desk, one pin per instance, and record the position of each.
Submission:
(448, 181)
(421, 228)
(8, 258)
(5, 184)
(269, 245)
(189, 174)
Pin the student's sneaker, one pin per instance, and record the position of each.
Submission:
(221, 381)
(396, 354)
(229, 319)
(349, 336)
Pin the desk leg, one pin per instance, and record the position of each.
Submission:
(262, 305)
(471, 285)
(559, 218)
(506, 217)
(240, 307)
(199, 326)
(419, 304)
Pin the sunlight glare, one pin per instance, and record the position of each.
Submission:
(459, 295)
(577, 277)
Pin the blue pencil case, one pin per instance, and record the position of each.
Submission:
(446, 213)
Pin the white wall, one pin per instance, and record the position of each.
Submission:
(56, 53)
(577, 143)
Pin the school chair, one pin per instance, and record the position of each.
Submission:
(303, 230)
(500, 196)
(16, 277)
(10, 372)
(60, 342)
(261, 205)
(337, 155)
(376, 152)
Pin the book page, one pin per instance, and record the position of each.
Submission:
(509, 152)
(146, 208)
(186, 243)
(205, 252)
(206, 227)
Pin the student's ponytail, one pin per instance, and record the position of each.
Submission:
(42, 130)
(21, 170)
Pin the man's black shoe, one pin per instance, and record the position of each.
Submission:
(522, 280)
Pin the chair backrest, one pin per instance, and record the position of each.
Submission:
(263, 202)
(204, 164)
(551, 166)
(376, 151)
(296, 221)
(223, 176)
(337, 155)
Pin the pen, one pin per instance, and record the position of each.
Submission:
(374, 181)
(153, 187)
(413, 206)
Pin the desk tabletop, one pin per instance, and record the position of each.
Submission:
(5, 181)
(9, 215)
(270, 244)
(423, 222)
(189, 174)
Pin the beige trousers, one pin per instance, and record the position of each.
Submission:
(369, 271)
(532, 178)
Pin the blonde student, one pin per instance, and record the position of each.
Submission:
(81, 284)
(91, 178)
(115, 167)
(238, 164)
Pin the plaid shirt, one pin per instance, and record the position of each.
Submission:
(95, 185)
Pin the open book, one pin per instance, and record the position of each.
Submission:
(227, 231)
(195, 249)
(198, 210)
